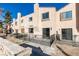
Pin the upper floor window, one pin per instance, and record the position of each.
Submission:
(30, 19)
(22, 30)
(66, 15)
(22, 21)
(45, 16)
(16, 23)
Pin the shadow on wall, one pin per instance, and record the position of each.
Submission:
(36, 51)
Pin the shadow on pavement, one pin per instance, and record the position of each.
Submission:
(35, 51)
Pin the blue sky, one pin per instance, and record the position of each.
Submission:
(26, 8)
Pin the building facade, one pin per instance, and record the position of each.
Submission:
(46, 21)
(66, 22)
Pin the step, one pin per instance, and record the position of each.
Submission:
(42, 41)
(75, 44)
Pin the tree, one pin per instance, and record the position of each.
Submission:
(1, 25)
(7, 21)
(8, 17)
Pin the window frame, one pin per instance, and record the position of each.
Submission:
(22, 30)
(31, 30)
(22, 21)
(30, 19)
(16, 23)
(45, 16)
(65, 32)
(63, 16)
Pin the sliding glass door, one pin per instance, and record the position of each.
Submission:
(67, 34)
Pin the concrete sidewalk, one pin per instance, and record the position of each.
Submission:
(68, 49)
(50, 50)
(46, 49)
(8, 48)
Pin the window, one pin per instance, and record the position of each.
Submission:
(66, 15)
(30, 30)
(16, 30)
(45, 15)
(30, 19)
(67, 34)
(16, 23)
(22, 21)
(22, 30)
(46, 32)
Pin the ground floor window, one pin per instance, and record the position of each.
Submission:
(31, 30)
(16, 30)
(67, 34)
(46, 32)
(22, 30)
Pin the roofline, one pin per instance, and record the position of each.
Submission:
(47, 7)
(63, 7)
(29, 14)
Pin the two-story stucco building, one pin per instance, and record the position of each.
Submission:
(41, 22)
(67, 24)
(47, 21)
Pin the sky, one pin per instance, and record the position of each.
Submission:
(25, 8)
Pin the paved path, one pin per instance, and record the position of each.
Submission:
(68, 49)
(10, 48)
(45, 49)
(36, 51)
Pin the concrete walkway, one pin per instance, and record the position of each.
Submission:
(9, 48)
(68, 49)
(46, 49)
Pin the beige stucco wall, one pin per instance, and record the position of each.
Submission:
(53, 23)
(28, 24)
(69, 23)
(14, 26)
(50, 23)
(18, 23)
(39, 24)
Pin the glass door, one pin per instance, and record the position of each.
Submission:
(46, 32)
